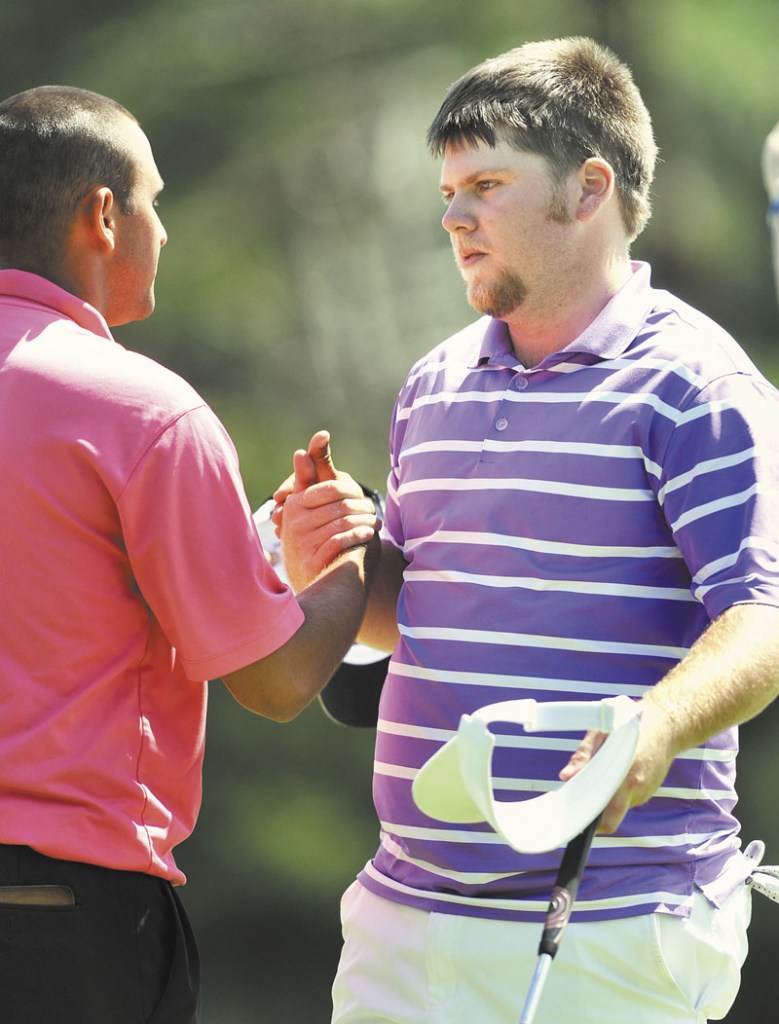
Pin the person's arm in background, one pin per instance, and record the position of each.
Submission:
(771, 179)
(333, 601)
(304, 520)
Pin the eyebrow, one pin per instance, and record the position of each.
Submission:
(486, 172)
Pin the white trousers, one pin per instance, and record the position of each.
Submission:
(401, 965)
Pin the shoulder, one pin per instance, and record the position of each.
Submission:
(102, 373)
(680, 332)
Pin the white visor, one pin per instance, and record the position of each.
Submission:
(456, 783)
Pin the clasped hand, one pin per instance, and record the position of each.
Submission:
(320, 513)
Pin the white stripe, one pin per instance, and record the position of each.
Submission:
(443, 835)
(677, 369)
(416, 732)
(657, 842)
(665, 898)
(524, 742)
(485, 636)
(710, 507)
(679, 793)
(492, 838)
(420, 732)
(606, 451)
(516, 682)
(506, 785)
(394, 771)
(621, 362)
(467, 877)
(701, 593)
(561, 586)
(625, 398)
(486, 878)
(544, 546)
(450, 397)
(534, 486)
(707, 466)
(596, 395)
(761, 544)
(699, 411)
(532, 396)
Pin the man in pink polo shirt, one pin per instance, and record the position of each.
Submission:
(131, 572)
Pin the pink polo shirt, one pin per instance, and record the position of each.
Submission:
(131, 571)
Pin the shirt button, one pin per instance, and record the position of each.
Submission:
(501, 424)
(520, 383)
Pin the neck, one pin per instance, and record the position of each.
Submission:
(539, 328)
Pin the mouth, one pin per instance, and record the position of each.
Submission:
(470, 257)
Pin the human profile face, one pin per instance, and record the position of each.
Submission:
(509, 221)
(139, 235)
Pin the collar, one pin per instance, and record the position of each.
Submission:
(607, 337)
(21, 284)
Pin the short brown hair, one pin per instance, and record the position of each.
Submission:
(565, 99)
(56, 144)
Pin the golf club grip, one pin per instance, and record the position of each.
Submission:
(565, 889)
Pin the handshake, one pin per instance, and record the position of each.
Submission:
(315, 515)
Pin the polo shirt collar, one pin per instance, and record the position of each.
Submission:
(607, 337)
(21, 284)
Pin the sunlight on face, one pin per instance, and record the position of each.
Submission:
(505, 215)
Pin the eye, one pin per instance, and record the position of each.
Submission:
(486, 184)
(447, 197)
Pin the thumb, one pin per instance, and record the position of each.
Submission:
(304, 473)
(319, 453)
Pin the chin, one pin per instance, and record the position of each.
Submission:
(500, 301)
(120, 317)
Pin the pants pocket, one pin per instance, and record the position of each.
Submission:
(702, 955)
(44, 896)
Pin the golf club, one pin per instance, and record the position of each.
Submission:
(560, 907)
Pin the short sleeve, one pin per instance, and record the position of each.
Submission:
(720, 492)
(195, 553)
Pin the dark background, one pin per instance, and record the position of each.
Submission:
(306, 269)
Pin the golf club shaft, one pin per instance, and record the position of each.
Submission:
(543, 964)
(560, 907)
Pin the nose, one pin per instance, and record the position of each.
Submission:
(457, 216)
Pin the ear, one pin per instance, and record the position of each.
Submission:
(596, 186)
(97, 218)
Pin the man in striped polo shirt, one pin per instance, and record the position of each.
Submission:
(583, 502)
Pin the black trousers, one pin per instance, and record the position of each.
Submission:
(81, 944)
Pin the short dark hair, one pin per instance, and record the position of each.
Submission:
(565, 99)
(57, 143)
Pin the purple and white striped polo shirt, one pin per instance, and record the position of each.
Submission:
(570, 530)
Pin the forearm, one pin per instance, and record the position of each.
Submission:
(282, 684)
(730, 675)
(379, 627)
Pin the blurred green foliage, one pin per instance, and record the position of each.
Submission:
(306, 269)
